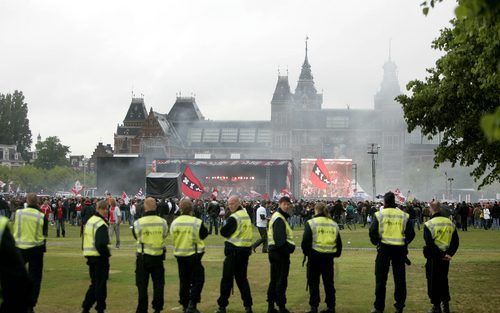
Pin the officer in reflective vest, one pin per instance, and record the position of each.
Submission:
(321, 243)
(14, 281)
(151, 232)
(391, 231)
(96, 250)
(237, 249)
(30, 230)
(441, 244)
(281, 245)
(188, 233)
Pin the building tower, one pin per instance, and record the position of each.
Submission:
(306, 96)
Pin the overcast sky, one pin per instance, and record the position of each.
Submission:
(77, 62)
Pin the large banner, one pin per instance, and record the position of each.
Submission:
(326, 178)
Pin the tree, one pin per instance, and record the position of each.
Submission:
(462, 88)
(14, 123)
(51, 153)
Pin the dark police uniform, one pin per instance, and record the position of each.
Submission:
(151, 232)
(188, 233)
(391, 231)
(441, 238)
(95, 249)
(237, 249)
(281, 245)
(14, 281)
(30, 230)
(321, 243)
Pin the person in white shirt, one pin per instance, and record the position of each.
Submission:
(133, 211)
(261, 220)
(487, 217)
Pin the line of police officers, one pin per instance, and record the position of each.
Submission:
(391, 232)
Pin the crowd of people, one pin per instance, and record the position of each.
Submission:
(392, 228)
(348, 213)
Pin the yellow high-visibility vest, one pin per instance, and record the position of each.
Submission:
(28, 228)
(185, 231)
(270, 234)
(243, 235)
(391, 226)
(93, 224)
(152, 232)
(441, 229)
(324, 231)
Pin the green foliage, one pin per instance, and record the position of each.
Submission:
(14, 123)
(464, 86)
(51, 153)
(490, 123)
(33, 179)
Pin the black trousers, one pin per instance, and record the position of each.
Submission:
(262, 240)
(384, 259)
(320, 265)
(436, 271)
(97, 292)
(146, 266)
(213, 221)
(463, 222)
(280, 266)
(191, 279)
(34, 258)
(235, 268)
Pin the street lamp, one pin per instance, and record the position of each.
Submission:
(451, 190)
(373, 150)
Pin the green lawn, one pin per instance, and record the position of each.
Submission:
(474, 276)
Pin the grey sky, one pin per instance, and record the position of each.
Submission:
(77, 61)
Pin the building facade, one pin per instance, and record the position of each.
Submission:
(299, 128)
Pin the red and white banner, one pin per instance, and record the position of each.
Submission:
(77, 188)
(191, 186)
(319, 175)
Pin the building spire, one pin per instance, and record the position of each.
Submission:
(307, 38)
(390, 46)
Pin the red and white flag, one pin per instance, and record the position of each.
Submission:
(319, 175)
(77, 188)
(191, 186)
(125, 197)
(139, 194)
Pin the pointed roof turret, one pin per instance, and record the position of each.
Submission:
(389, 88)
(305, 84)
(282, 90)
(137, 111)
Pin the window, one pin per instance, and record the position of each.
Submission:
(264, 136)
(211, 135)
(229, 135)
(195, 135)
(337, 122)
(247, 135)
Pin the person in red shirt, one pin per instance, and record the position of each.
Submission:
(59, 214)
(78, 210)
(45, 209)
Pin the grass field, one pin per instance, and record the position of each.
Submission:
(474, 276)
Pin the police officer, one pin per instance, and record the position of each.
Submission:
(188, 233)
(14, 281)
(441, 243)
(237, 249)
(281, 245)
(321, 243)
(391, 231)
(30, 231)
(95, 249)
(151, 233)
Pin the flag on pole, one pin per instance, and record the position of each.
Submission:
(139, 194)
(215, 193)
(319, 175)
(77, 188)
(191, 186)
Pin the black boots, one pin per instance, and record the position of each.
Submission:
(271, 309)
(192, 308)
